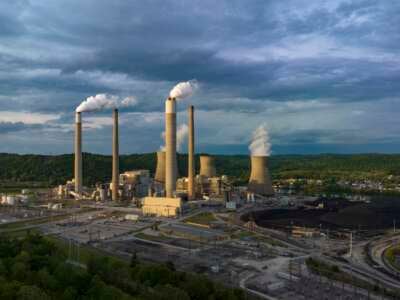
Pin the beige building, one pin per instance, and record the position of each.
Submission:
(209, 186)
(162, 206)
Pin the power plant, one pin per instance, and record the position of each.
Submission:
(260, 181)
(115, 157)
(78, 154)
(166, 184)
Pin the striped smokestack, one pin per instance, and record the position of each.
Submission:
(260, 181)
(191, 166)
(170, 147)
(78, 153)
(115, 157)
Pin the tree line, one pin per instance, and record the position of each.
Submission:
(51, 170)
(35, 268)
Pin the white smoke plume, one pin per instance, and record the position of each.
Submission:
(184, 89)
(104, 101)
(128, 101)
(162, 147)
(181, 134)
(260, 144)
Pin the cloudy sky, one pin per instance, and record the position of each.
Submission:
(323, 75)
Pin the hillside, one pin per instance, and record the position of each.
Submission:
(57, 169)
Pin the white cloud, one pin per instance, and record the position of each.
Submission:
(27, 117)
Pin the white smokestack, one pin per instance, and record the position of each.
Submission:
(184, 89)
(260, 144)
(181, 134)
(104, 101)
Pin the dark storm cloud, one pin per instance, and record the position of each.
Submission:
(9, 127)
(245, 54)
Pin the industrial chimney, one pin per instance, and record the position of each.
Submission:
(78, 153)
(170, 147)
(260, 181)
(191, 166)
(115, 157)
(160, 170)
(207, 166)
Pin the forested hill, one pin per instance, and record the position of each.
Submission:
(57, 169)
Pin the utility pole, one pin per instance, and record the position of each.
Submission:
(394, 225)
(351, 245)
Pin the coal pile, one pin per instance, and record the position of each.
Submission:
(379, 213)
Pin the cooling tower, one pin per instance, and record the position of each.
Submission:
(160, 170)
(78, 153)
(170, 147)
(207, 166)
(115, 157)
(191, 166)
(260, 181)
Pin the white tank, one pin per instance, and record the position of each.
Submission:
(11, 200)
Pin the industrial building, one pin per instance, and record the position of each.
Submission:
(162, 206)
(207, 183)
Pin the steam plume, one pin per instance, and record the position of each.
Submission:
(104, 101)
(260, 144)
(184, 89)
(181, 134)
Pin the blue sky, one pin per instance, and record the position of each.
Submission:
(323, 75)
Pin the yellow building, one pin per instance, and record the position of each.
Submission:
(161, 206)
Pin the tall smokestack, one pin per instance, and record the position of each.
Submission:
(191, 166)
(160, 170)
(115, 157)
(207, 166)
(78, 153)
(260, 181)
(170, 147)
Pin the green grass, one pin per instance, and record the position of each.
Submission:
(242, 234)
(335, 273)
(149, 237)
(21, 233)
(86, 252)
(37, 221)
(204, 218)
(390, 255)
(270, 241)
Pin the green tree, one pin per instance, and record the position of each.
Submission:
(19, 271)
(31, 292)
(70, 293)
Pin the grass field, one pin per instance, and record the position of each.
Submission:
(391, 254)
(38, 221)
(85, 251)
(204, 218)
